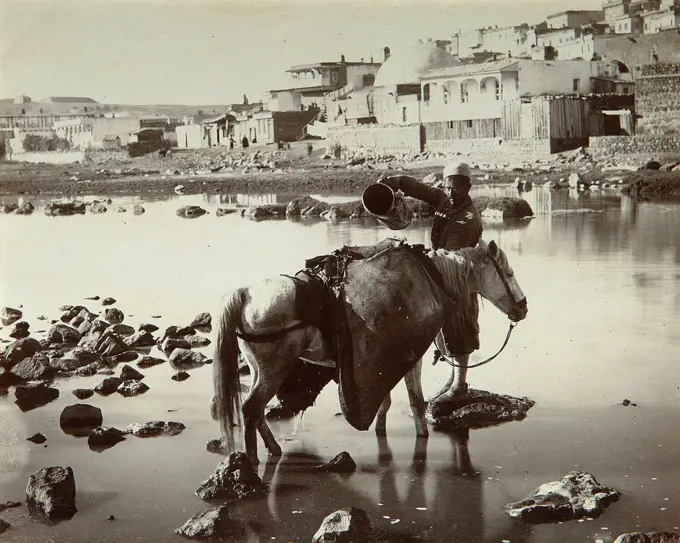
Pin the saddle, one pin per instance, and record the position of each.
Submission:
(320, 301)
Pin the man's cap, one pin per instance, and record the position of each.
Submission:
(457, 168)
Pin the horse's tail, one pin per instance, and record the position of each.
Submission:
(225, 367)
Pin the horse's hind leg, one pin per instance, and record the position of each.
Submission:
(381, 418)
(415, 396)
(268, 437)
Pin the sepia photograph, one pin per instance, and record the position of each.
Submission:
(340, 271)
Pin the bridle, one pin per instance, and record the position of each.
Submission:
(513, 324)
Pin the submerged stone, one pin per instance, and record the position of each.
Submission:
(209, 524)
(344, 526)
(477, 409)
(576, 495)
(234, 478)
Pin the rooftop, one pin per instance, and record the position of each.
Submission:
(474, 69)
(319, 65)
(311, 90)
(68, 100)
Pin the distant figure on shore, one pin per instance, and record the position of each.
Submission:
(280, 144)
(310, 148)
(231, 142)
(244, 142)
(254, 139)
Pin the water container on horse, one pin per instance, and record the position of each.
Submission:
(389, 207)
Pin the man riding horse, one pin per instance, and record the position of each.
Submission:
(457, 224)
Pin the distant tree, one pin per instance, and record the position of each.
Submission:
(40, 144)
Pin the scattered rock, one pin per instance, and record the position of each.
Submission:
(104, 437)
(113, 315)
(110, 517)
(108, 386)
(108, 301)
(9, 315)
(35, 368)
(180, 376)
(182, 359)
(122, 329)
(127, 356)
(20, 330)
(155, 428)
(197, 341)
(626, 402)
(63, 333)
(83, 393)
(20, 349)
(138, 210)
(4, 525)
(132, 388)
(202, 320)
(140, 339)
(8, 379)
(576, 495)
(51, 494)
(478, 409)
(129, 373)
(147, 327)
(342, 463)
(89, 369)
(9, 505)
(80, 419)
(234, 478)
(191, 212)
(33, 395)
(212, 524)
(169, 344)
(111, 345)
(149, 361)
(345, 525)
(38, 438)
(219, 445)
(649, 537)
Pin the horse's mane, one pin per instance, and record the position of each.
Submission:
(457, 267)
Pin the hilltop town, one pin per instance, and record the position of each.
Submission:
(607, 81)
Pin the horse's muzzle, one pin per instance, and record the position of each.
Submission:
(518, 311)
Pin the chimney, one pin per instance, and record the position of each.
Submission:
(342, 58)
(371, 59)
(387, 52)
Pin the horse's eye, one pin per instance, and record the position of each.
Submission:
(511, 274)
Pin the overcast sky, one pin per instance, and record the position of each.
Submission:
(211, 52)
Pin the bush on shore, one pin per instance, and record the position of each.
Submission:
(34, 143)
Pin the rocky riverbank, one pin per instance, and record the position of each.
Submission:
(263, 170)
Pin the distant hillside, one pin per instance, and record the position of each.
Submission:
(8, 107)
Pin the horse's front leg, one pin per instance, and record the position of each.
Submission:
(381, 418)
(415, 395)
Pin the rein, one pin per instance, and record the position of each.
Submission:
(438, 355)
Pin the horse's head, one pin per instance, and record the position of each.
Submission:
(497, 282)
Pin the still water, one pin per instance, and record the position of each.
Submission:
(601, 275)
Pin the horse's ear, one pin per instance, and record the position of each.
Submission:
(493, 249)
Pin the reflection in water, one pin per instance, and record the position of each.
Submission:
(601, 276)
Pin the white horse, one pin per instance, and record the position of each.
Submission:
(395, 304)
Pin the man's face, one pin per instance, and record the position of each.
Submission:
(455, 184)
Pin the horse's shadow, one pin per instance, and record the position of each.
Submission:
(430, 500)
